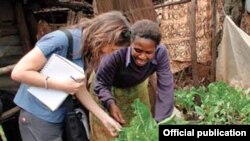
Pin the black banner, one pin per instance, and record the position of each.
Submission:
(202, 132)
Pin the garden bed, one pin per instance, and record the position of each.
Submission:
(216, 104)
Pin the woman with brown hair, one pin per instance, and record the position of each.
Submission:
(91, 39)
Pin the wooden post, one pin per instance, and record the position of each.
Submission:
(22, 26)
(193, 42)
(213, 44)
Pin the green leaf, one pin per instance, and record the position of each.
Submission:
(142, 127)
(199, 111)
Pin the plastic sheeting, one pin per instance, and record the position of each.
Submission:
(247, 6)
(233, 63)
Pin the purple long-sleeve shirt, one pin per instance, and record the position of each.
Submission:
(119, 70)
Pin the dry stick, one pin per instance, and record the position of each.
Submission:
(7, 69)
(171, 3)
(180, 76)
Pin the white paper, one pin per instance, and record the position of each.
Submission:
(56, 67)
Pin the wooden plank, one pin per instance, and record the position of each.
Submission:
(74, 5)
(51, 10)
(6, 12)
(12, 40)
(8, 30)
(193, 42)
(9, 60)
(10, 50)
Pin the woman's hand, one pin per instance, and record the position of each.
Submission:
(112, 126)
(72, 85)
(116, 113)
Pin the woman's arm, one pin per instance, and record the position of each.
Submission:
(165, 86)
(27, 71)
(103, 83)
(103, 80)
(85, 98)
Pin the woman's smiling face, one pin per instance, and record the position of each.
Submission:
(143, 50)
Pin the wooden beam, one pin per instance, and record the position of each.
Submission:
(193, 42)
(214, 42)
(15, 40)
(7, 30)
(74, 5)
(22, 26)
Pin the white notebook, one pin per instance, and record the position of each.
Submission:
(56, 67)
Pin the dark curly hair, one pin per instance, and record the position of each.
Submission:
(146, 29)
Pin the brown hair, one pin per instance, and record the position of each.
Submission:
(107, 29)
(42, 29)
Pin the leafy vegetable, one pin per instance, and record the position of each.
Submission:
(216, 104)
(142, 127)
(220, 104)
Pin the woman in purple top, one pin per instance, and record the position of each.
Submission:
(123, 76)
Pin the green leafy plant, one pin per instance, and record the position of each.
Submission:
(219, 104)
(142, 127)
(216, 104)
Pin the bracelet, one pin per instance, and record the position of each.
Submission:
(46, 82)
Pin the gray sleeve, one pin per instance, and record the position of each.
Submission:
(165, 87)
